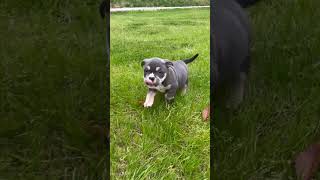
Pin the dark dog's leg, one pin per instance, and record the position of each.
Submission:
(185, 88)
(170, 94)
(237, 92)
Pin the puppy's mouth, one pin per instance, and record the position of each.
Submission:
(149, 82)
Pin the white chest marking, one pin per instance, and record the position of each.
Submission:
(161, 88)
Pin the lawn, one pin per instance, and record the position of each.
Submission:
(160, 142)
(147, 3)
(52, 90)
(281, 113)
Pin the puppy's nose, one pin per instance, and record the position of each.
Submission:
(151, 78)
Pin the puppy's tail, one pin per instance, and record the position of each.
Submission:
(190, 59)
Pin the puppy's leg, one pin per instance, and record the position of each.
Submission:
(237, 92)
(150, 98)
(184, 90)
(170, 94)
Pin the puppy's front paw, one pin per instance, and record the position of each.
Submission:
(147, 104)
(169, 100)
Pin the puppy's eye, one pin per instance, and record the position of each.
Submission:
(160, 72)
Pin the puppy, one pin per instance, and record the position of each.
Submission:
(162, 75)
(230, 41)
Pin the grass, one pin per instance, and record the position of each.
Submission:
(144, 3)
(280, 116)
(52, 90)
(160, 142)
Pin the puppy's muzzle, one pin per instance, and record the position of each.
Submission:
(150, 81)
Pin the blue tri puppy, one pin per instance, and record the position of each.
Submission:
(162, 75)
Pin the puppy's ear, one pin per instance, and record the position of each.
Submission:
(168, 64)
(143, 63)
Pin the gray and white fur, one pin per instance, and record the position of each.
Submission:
(162, 75)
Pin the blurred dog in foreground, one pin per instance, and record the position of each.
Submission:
(230, 41)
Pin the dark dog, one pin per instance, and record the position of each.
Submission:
(230, 44)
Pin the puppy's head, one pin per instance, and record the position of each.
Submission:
(155, 71)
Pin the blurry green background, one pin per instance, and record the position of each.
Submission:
(281, 112)
(52, 90)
